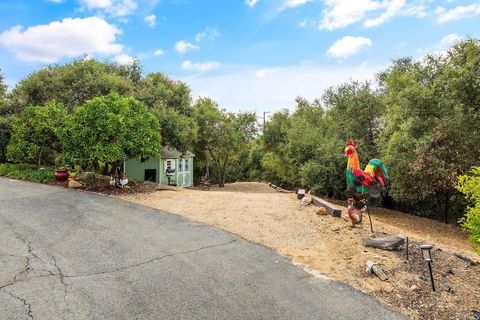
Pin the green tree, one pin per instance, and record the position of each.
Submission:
(5, 120)
(470, 186)
(3, 89)
(177, 130)
(222, 136)
(111, 129)
(430, 126)
(157, 90)
(35, 136)
(170, 101)
(74, 83)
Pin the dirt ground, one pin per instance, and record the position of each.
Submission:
(330, 246)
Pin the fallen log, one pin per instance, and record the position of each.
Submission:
(385, 243)
(374, 268)
(329, 207)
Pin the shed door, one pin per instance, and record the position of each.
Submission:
(151, 175)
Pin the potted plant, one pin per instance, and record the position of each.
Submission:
(72, 176)
(61, 173)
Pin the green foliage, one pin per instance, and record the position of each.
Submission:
(5, 132)
(177, 130)
(430, 126)
(27, 173)
(470, 186)
(34, 135)
(158, 91)
(3, 88)
(111, 129)
(222, 137)
(74, 83)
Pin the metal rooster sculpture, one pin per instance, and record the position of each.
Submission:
(363, 183)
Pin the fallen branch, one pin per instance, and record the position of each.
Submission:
(385, 243)
(374, 268)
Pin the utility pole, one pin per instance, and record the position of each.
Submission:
(264, 114)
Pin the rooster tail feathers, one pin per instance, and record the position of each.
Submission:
(376, 168)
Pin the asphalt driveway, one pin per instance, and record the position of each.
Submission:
(74, 255)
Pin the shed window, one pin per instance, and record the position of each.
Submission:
(186, 164)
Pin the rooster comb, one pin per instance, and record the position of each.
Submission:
(351, 143)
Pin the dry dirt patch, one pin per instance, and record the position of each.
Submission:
(308, 236)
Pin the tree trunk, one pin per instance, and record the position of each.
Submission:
(39, 163)
(220, 175)
(207, 167)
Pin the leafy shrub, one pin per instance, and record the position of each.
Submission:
(26, 172)
(470, 186)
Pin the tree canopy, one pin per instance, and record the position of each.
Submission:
(35, 135)
(110, 129)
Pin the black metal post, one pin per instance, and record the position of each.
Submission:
(407, 248)
(431, 275)
(370, 219)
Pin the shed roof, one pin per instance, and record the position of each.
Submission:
(172, 153)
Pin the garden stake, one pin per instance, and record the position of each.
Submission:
(407, 248)
(370, 219)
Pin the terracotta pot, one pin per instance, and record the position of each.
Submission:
(61, 175)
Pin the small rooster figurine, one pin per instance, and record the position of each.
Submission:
(361, 182)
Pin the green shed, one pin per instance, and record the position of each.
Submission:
(171, 162)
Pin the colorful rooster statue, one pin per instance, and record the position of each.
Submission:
(374, 175)
(362, 182)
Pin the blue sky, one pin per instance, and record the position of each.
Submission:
(250, 55)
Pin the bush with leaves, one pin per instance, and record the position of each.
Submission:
(35, 135)
(111, 129)
(470, 186)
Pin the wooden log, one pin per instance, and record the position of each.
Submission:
(331, 208)
(385, 243)
(374, 268)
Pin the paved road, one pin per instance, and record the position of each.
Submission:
(74, 255)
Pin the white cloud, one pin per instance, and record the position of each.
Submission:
(303, 23)
(151, 20)
(393, 9)
(184, 46)
(449, 40)
(348, 46)
(97, 4)
(240, 88)
(56, 1)
(459, 12)
(124, 59)
(58, 39)
(159, 52)
(209, 34)
(295, 3)
(340, 13)
(118, 8)
(199, 66)
(264, 73)
(251, 3)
